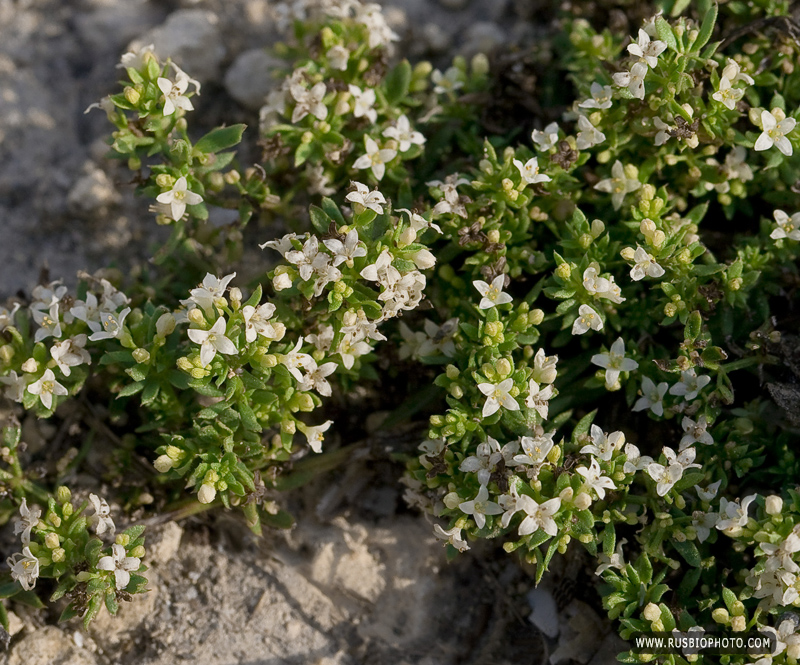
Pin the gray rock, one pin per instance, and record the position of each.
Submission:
(191, 37)
(49, 646)
(482, 37)
(454, 4)
(92, 194)
(249, 79)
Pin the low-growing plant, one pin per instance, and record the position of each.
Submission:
(594, 310)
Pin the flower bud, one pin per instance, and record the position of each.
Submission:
(165, 324)
(123, 539)
(141, 355)
(583, 501)
(165, 181)
(627, 253)
(58, 555)
(137, 552)
(554, 455)
(566, 495)
(288, 426)
(451, 500)
(452, 372)
(535, 317)
(30, 365)
(232, 177)
(54, 519)
(585, 240)
(63, 494)
(132, 95)
(597, 228)
(738, 624)
(407, 236)
(651, 612)
(281, 281)
(236, 297)
(184, 364)
(207, 493)
(503, 367)
(720, 615)
(196, 316)
(163, 463)
(66, 510)
(456, 391)
(774, 504)
(564, 271)
(51, 541)
(198, 373)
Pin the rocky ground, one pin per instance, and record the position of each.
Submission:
(360, 581)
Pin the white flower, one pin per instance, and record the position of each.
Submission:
(535, 450)
(403, 134)
(538, 515)
(29, 518)
(703, 523)
(24, 568)
(452, 536)
(618, 185)
(710, 492)
(593, 479)
(604, 446)
(372, 17)
(665, 476)
(7, 317)
(601, 287)
(690, 384)
(492, 295)
(652, 397)
(315, 435)
(486, 458)
(587, 318)
(448, 82)
(647, 50)
(318, 180)
(46, 387)
(452, 202)
(256, 321)
(70, 353)
(308, 101)
(774, 133)
(615, 362)
(14, 386)
(417, 222)
(178, 198)
(121, 564)
(322, 340)
(211, 292)
(101, 520)
(349, 349)
(633, 460)
(601, 97)
(480, 506)
(645, 265)
(538, 398)
(295, 359)
(733, 514)
(338, 57)
(530, 171)
(497, 396)
(173, 94)
(382, 270)
(308, 259)
(726, 94)
(315, 378)
(696, 432)
(734, 74)
(50, 324)
(138, 58)
(363, 102)
(111, 325)
(369, 199)
(663, 135)
(544, 367)
(375, 159)
(281, 245)
(547, 139)
(212, 341)
(786, 227)
(588, 136)
(616, 560)
(632, 80)
(345, 252)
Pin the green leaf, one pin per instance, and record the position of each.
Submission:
(69, 613)
(221, 138)
(609, 539)
(729, 597)
(111, 603)
(30, 599)
(150, 392)
(688, 550)
(319, 219)
(706, 28)
(9, 589)
(665, 34)
(694, 325)
(583, 426)
(93, 608)
(131, 389)
(332, 210)
(397, 83)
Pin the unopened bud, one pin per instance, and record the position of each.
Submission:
(165, 324)
(597, 228)
(30, 365)
(720, 615)
(163, 463)
(132, 95)
(141, 355)
(196, 316)
(627, 253)
(58, 555)
(207, 493)
(774, 505)
(583, 501)
(535, 317)
(137, 552)
(236, 297)
(566, 495)
(738, 624)
(564, 271)
(63, 494)
(651, 612)
(51, 541)
(123, 539)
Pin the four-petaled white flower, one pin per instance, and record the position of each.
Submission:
(28, 518)
(632, 80)
(363, 102)
(452, 201)
(121, 564)
(295, 359)
(315, 435)
(212, 341)
(634, 461)
(174, 96)
(690, 384)
(695, 432)
(615, 361)
(101, 520)
(618, 185)
(486, 458)
(665, 476)
(601, 287)
(480, 507)
(211, 292)
(594, 479)
(734, 73)
(448, 82)
(49, 322)
(369, 199)
(787, 227)
(703, 523)
(110, 326)
(375, 159)
(70, 353)
(709, 492)
(345, 252)
(733, 514)
(645, 265)
(616, 560)
(601, 97)
(497, 396)
(46, 387)
(257, 322)
(492, 295)
(24, 568)
(588, 135)
(403, 134)
(726, 94)
(774, 133)
(530, 171)
(538, 399)
(535, 450)
(647, 50)
(546, 139)
(14, 386)
(652, 397)
(338, 57)
(178, 198)
(452, 536)
(308, 101)
(587, 318)
(538, 515)
(603, 445)
(315, 378)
